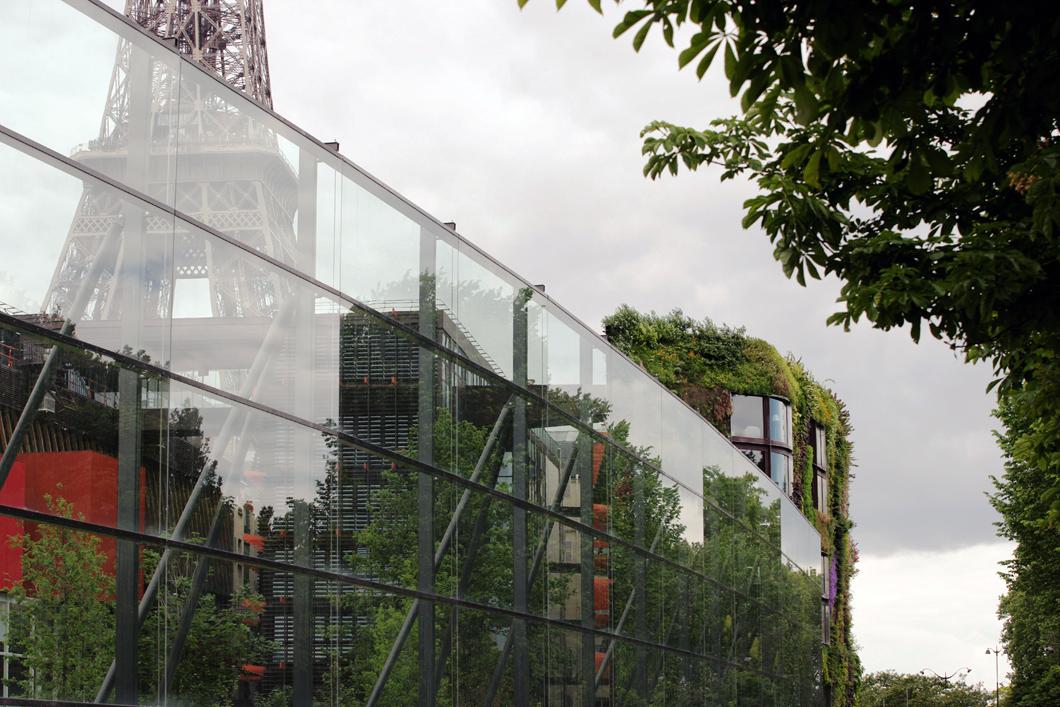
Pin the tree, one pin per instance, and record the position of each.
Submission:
(63, 622)
(221, 638)
(1029, 609)
(891, 688)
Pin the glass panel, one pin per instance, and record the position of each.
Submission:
(800, 542)
(109, 103)
(484, 306)
(100, 259)
(681, 450)
(380, 253)
(747, 416)
(636, 401)
(779, 421)
(780, 470)
(821, 446)
(756, 457)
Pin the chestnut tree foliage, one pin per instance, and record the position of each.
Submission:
(909, 149)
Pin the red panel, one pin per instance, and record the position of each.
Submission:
(87, 480)
(600, 661)
(600, 513)
(598, 457)
(13, 494)
(602, 601)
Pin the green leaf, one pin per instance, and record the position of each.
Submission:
(795, 156)
(939, 162)
(918, 179)
(631, 18)
(833, 157)
(812, 172)
(758, 84)
(730, 61)
(595, 4)
(698, 43)
(805, 105)
(641, 35)
(705, 62)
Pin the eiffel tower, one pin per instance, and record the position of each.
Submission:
(231, 176)
(124, 271)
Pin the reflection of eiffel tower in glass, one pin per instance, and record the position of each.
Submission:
(229, 173)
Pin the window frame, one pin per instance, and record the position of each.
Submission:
(766, 445)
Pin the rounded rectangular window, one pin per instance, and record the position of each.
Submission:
(779, 422)
(747, 417)
(820, 447)
(780, 470)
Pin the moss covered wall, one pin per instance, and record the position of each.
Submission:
(705, 364)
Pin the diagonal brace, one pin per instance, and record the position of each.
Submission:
(439, 557)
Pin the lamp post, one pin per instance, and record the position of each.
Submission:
(946, 678)
(997, 680)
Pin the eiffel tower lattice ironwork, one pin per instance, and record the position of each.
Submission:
(231, 175)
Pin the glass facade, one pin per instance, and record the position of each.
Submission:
(283, 438)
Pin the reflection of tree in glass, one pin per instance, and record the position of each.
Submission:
(766, 630)
(61, 619)
(221, 639)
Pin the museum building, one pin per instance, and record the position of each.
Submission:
(273, 435)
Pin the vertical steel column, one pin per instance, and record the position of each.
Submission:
(520, 643)
(303, 605)
(128, 281)
(588, 593)
(126, 624)
(535, 566)
(640, 618)
(425, 486)
(304, 344)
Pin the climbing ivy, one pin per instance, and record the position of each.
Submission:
(705, 364)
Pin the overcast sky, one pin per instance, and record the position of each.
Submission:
(523, 128)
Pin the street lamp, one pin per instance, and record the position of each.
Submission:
(946, 678)
(997, 681)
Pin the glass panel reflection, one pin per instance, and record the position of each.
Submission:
(747, 416)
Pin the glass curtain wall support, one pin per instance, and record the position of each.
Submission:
(234, 419)
(439, 557)
(535, 567)
(630, 601)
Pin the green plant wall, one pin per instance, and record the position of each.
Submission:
(705, 364)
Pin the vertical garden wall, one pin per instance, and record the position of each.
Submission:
(706, 365)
